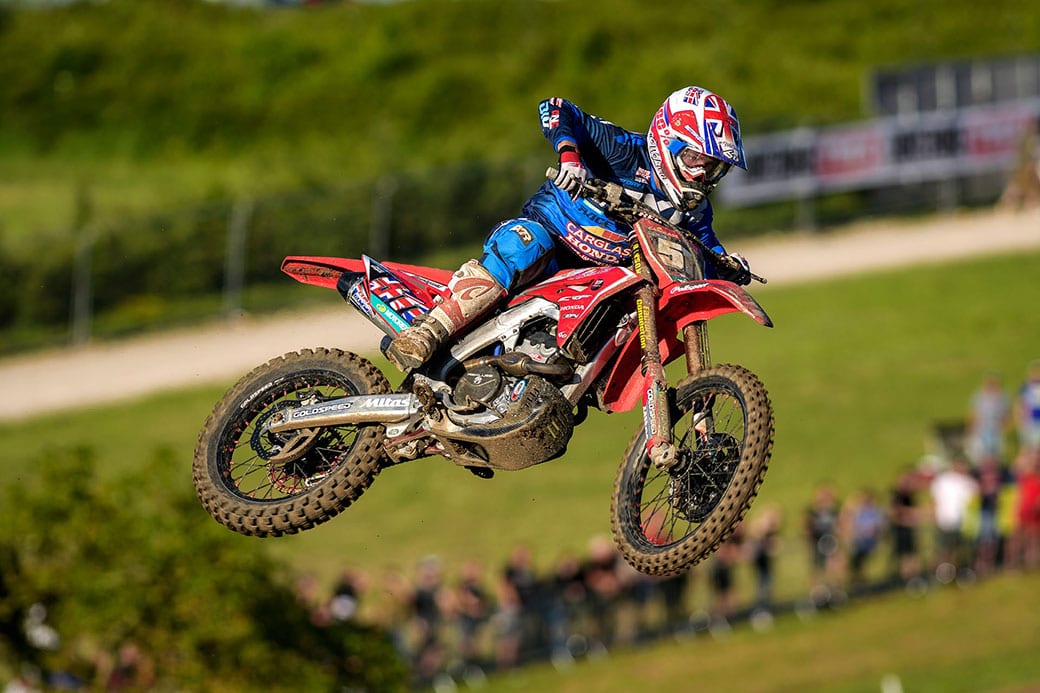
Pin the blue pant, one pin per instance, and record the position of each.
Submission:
(519, 251)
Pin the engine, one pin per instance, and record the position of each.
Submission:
(504, 413)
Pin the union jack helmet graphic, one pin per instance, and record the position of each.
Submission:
(693, 142)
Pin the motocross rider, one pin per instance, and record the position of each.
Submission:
(693, 141)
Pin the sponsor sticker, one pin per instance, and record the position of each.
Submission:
(317, 410)
(686, 287)
(375, 402)
(360, 301)
(523, 233)
(388, 314)
(649, 413)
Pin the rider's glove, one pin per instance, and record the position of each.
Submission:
(735, 268)
(572, 172)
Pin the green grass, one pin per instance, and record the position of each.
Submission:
(858, 371)
(979, 638)
(193, 100)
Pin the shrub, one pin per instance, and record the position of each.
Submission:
(136, 563)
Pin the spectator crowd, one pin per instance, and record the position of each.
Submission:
(955, 517)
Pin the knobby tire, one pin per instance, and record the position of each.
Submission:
(327, 479)
(652, 535)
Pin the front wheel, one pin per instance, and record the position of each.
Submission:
(260, 483)
(664, 522)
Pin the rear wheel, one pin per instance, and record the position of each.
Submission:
(664, 522)
(261, 483)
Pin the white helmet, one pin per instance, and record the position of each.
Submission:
(693, 141)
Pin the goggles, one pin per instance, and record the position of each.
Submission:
(698, 167)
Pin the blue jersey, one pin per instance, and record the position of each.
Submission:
(614, 154)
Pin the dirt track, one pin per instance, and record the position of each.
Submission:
(219, 353)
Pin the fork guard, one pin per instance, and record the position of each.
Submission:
(681, 304)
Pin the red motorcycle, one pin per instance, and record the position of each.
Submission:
(300, 438)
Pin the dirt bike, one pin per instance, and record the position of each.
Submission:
(300, 438)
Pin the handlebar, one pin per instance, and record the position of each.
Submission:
(631, 210)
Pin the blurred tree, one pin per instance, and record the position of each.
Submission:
(97, 576)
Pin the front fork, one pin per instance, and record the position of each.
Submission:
(657, 417)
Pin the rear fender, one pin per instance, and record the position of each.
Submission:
(390, 295)
(320, 271)
(325, 271)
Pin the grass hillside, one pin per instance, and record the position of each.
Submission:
(152, 104)
(858, 369)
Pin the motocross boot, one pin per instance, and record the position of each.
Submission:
(473, 291)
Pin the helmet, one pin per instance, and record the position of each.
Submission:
(693, 141)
